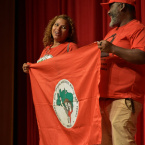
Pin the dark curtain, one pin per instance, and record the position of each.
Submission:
(91, 24)
(20, 79)
(7, 30)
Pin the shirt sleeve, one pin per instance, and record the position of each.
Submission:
(72, 46)
(138, 39)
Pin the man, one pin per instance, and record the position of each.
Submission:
(122, 73)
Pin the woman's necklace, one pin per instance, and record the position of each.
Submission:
(48, 51)
(46, 56)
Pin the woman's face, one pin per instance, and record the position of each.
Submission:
(60, 30)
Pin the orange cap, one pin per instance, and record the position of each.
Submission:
(106, 5)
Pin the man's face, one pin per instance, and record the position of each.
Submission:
(114, 14)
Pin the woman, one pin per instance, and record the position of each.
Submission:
(59, 38)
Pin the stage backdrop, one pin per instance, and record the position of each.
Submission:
(91, 24)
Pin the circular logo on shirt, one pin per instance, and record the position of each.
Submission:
(65, 103)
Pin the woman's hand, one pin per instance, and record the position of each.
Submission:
(25, 68)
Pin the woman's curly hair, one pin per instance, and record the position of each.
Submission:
(48, 39)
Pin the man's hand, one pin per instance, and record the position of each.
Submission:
(105, 46)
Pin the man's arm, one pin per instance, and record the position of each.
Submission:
(131, 55)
